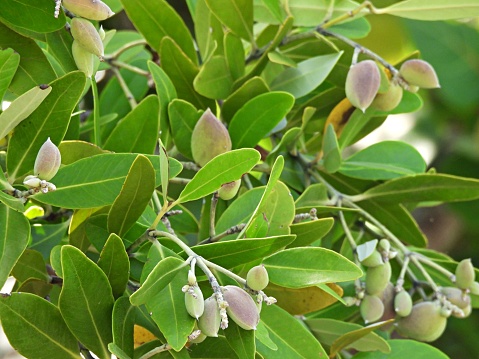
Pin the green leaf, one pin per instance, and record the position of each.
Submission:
(36, 16)
(47, 236)
(183, 117)
(72, 151)
(156, 20)
(214, 79)
(60, 47)
(356, 122)
(423, 187)
(115, 264)
(227, 167)
(237, 15)
(290, 335)
(117, 351)
(402, 348)
(31, 323)
(9, 61)
(308, 75)
(209, 31)
(123, 321)
(164, 169)
(382, 162)
(235, 56)
(433, 10)
(34, 68)
(96, 181)
(50, 119)
(12, 202)
(30, 265)
(272, 7)
(305, 267)
(14, 235)
(331, 151)
(240, 340)
(140, 126)
(162, 274)
(86, 301)
(262, 335)
(21, 108)
(309, 232)
(258, 117)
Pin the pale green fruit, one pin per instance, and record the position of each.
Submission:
(241, 307)
(195, 304)
(475, 288)
(403, 303)
(199, 339)
(377, 278)
(209, 138)
(362, 84)
(89, 9)
(48, 161)
(209, 322)
(465, 274)
(425, 323)
(257, 278)
(374, 260)
(87, 36)
(371, 308)
(419, 73)
(84, 60)
(389, 100)
(228, 190)
(456, 296)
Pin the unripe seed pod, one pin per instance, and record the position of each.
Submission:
(87, 36)
(474, 288)
(209, 138)
(241, 307)
(389, 100)
(209, 322)
(419, 73)
(377, 278)
(257, 278)
(387, 297)
(403, 303)
(195, 304)
(362, 84)
(467, 311)
(89, 9)
(229, 190)
(350, 301)
(445, 311)
(374, 260)
(456, 296)
(84, 60)
(465, 274)
(425, 323)
(384, 245)
(48, 161)
(371, 308)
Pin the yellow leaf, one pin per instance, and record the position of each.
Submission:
(142, 336)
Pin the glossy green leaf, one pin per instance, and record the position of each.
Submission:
(356, 122)
(315, 195)
(272, 8)
(331, 151)
(86, 301)
(183, 117)
(9, 61)
(424, 187)
(30, 265)
(50, 119)
(12, 202)
(47, 236)
(354, 29)
(235, 56)
(209, 31)
(227, 167)
(290, 335)
(115, 264)
(237, 15)
(14, 234)
(31, 322)
(140, 127)
(310, 231)
(214, 79)
(96, 181)
(34, 68)
(60, 47)
(164, 169)
(240, 340)
(304, 267)
(21, 108)
(262, 335)
(402, 348)
(72, 151)
(308, 75)
(434, 10)
(384, 160)
(157, 20)
(258, 117)
(117, 351)
(123, 321)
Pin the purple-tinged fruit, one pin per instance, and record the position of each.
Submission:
(425, 323)
(362, 84)
(371, 308)
(48, 161)
(241, 307)
(89, 9)
(87, 36)
(419, 73)
(209, 322)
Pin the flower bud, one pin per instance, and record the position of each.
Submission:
(465, 274)
(84, 60)
(389, 100)
(229, 190)
(209, 138)
(362, 84)
(377, 278)
(371, 308)
(209, 322)
(241, 307)
(197, 338)
(419, 73)
(48, 161)
(102, 33)
(87, 36)
(403, 303)
(194, 302)
(257, 278)
(384, 245)
(32, 181)
(456, 296)
(350, 301)
(425, 323)
(89, 9)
